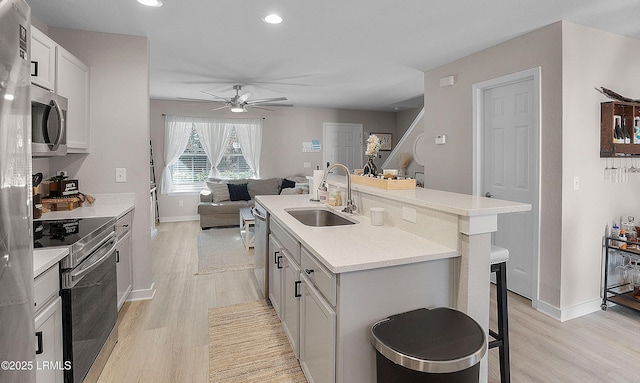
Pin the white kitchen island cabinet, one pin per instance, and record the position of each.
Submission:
(317, 335)
(364, 273)
(291, 302)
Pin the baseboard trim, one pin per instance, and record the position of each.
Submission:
(143, 294)
(570, 312)
(180, 218)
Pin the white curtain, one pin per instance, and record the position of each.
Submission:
(176, 136)
(214, 135)
(249, 133)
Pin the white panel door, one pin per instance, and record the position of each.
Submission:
(509, 173)
(343, 144)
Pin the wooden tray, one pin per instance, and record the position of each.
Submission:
(384, 183)
(60, 204)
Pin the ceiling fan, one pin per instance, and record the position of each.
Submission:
(239, 103)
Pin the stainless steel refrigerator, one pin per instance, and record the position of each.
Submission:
(17, 337)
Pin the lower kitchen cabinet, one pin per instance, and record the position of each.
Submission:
(48, 324)
(124, 252)
(124, 269)
(291, 302)
(275, 274)
(317, 335)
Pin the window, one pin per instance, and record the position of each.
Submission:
(193, 166)
(199, 148)
(233, 164)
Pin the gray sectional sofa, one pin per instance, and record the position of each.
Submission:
(220, 203)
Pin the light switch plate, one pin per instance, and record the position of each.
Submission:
(121, 175)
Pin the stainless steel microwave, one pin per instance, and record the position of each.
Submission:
(48, 123)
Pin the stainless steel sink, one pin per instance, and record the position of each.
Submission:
(319, 217)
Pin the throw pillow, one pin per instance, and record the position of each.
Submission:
(286, 184)
(219, 191)
(238, 192)
(270, 186)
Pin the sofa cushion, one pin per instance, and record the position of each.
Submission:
(286, 184)
(219, 192)
(238, 192)
(270, 186)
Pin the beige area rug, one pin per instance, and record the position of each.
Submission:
(222, 250)
(247, 344)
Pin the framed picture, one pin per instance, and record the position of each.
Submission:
(385, 140)
(420, 179)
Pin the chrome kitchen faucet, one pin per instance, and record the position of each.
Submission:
(350, 208)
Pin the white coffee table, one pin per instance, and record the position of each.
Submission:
(247, 231)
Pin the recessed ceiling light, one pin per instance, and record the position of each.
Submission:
(270, 19)
(9, 97)
(151, 3)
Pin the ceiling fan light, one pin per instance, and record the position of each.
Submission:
(272, 19)
(151, 3)
(237, 108)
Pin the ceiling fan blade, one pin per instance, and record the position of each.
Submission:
(194, 99)
(221, 107)
(244, 97)
(218, 97)
(259, 107)
(266, 100)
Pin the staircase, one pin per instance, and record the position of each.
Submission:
(407, 144)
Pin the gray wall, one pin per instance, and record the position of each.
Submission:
(574, 59)
(119, 117)
(591, 58)
(450, 111)
(284, 131)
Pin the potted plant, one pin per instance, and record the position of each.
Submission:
(54, 185)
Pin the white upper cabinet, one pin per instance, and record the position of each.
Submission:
(73, 83)
(43, 59)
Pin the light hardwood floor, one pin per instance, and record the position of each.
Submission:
(165, 339)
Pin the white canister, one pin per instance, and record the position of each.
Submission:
(377, 216)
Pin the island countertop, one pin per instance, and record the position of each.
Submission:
(456, 203)
(361, 246)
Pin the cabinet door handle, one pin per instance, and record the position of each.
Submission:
(34, 68)
(308, 271)
(275, 260)
(278, 258)
(117, 256)
(39, 349)
(296, 292)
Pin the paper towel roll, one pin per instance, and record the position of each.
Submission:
(315, 183)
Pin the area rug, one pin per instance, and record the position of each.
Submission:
(222, 250)
(247, 344)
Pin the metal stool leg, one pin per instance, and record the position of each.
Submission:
(502, 336)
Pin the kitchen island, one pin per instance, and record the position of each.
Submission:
(437, 255)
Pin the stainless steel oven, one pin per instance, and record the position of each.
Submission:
(89, 290)
(48, 123)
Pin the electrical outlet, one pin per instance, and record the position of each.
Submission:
(180, 203)
(409, 214)
(121, 174)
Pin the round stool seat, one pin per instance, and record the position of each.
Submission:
(498, 255)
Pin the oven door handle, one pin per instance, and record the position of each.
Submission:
(90, 264)
(112, 234)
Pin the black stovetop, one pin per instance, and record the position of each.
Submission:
(64, 232)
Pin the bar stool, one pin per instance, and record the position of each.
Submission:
(498, 260)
